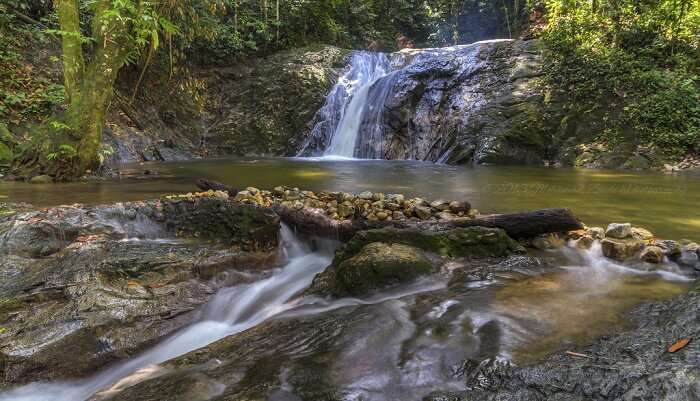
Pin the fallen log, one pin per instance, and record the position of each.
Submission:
(316, 222)
(516, 225)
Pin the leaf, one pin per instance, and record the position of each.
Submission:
(679, 345)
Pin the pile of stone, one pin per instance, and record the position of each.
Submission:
(372, 206)
(622, 241)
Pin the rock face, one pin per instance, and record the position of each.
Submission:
(81, 287)
(260, 106)
(469, 104)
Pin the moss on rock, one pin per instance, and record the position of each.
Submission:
(378, 265)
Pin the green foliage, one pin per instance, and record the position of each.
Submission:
(637, 64)
(26, 94)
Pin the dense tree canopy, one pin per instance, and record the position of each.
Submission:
(634, 62)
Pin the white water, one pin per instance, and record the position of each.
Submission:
(365, 69)
(231, 311)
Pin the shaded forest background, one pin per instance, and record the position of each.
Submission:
(634, 64)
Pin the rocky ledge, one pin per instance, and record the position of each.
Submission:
(84, 286)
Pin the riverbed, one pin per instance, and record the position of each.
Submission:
(664, 203)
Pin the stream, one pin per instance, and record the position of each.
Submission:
(427, 329)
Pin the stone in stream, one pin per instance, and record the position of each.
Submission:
(460, 206)
(111, 280)
(618, 230)
(596, 232)
(422, 212)
(652, 254)
(378, 265)
(621, 249)
(641, 234)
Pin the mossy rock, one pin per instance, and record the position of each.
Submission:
(378, 265)
(458, 242)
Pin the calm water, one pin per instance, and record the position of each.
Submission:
(669, 205)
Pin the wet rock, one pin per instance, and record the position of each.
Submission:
(367, 195)
(596, 232)
(641, 234)
(378, 265)
(671, 248)
(548, 241)
(621, 249)
(652, 254)
(460, 206)
(422, 212)
(618, 230)
(458, 242)
(440, 205)
(585, 242)
(41, 179)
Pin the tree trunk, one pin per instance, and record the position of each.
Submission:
(71, 41)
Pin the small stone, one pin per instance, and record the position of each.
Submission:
(278, 191)
(585, 242)
(459, 206)
(691, 247)
(689, 259)
(473, 213)
(398, 215)
(252, 190)
(445, 216)
(372, 217)
(440, 205)
(382, 215)
(670, 248)
(392, 206)
(619, 230)
(41, 179)
(242, 195)
(378, 196)
(395, 198)
(641, 234)
(422, 212)
(345, 210)
(367, 195)
(596, 232)
(652, 254)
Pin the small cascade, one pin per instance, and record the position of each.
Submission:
(231, 311)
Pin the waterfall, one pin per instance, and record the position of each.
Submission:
(351, 100)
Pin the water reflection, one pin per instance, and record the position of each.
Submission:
(667, 204)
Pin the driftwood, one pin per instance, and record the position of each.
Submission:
(206, 185)
(316, 222)
(516, 225)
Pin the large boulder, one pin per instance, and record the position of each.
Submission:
(378, 265)
(621, 249)
(457, 242)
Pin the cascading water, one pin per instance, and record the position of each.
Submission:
(350, 103)
(231, 311)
